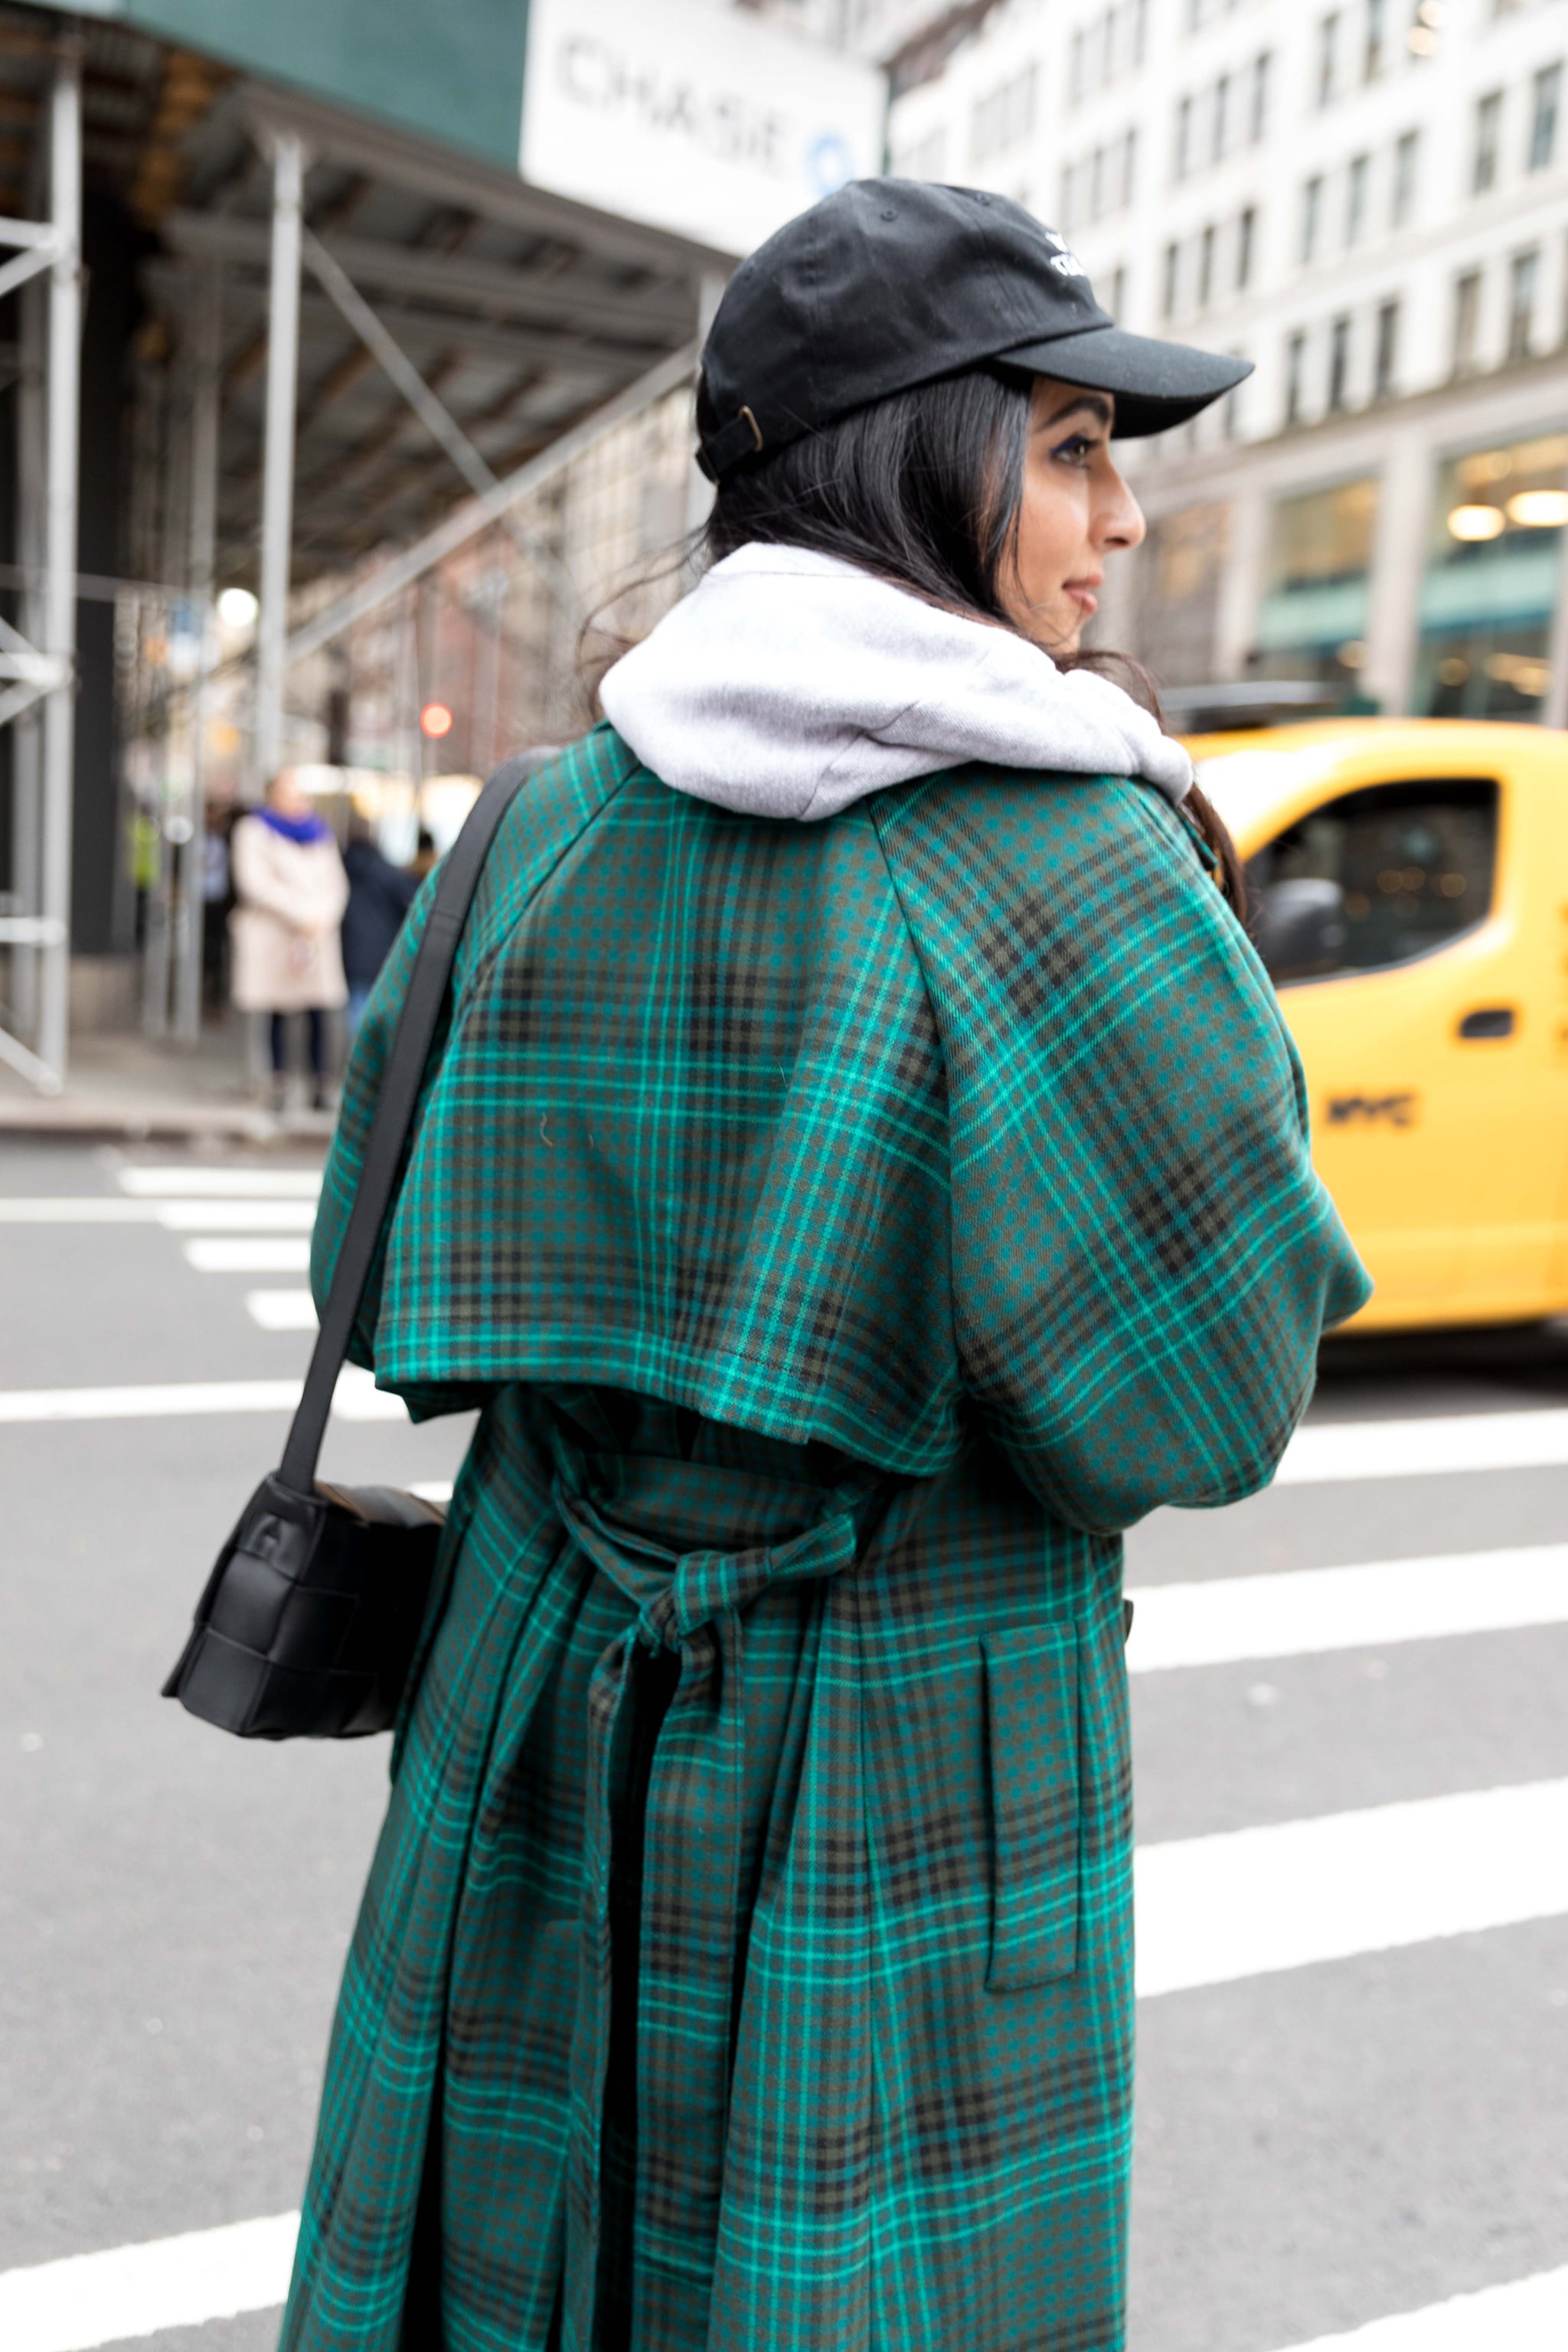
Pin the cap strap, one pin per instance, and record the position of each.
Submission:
(741, 437)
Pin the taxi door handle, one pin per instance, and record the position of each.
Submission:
(1489, 1020)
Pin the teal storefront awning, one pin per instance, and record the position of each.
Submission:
(1511, 582)
(1315, 612)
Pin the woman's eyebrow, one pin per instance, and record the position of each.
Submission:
(1097, 408)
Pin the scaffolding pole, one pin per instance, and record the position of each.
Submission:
(24, 768)
(59, 560)
(206, 392)
(277, 477)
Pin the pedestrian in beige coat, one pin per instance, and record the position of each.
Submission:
(291, 890)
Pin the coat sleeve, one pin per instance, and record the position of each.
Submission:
(345, 1161)
(257, 881)
(1143, 1258)
(332, 887)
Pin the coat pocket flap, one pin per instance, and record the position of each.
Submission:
(1032, 1714)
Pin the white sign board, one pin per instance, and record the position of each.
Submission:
(692, 116)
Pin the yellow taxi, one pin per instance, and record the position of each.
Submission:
(1409, 882)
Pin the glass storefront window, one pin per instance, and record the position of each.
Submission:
(1313, 621)
(1493, 561)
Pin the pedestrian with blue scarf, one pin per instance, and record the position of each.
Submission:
(291, 891)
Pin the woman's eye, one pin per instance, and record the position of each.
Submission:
(1076, 451)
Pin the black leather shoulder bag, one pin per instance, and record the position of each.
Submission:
(309, 1622)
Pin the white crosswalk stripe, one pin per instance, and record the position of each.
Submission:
(131, 2291)
(1291, 1615)
(281, 1310)
(1251, 1902)
(1434, 1447)
(1527, 2315)
(260, 1255)
(196, 1216)
(357, 1399)
(221, 1184)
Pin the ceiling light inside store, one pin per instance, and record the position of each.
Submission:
(1539, 509)
(237, 608)
(1476, 523)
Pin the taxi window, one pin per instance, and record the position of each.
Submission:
(1375, 878)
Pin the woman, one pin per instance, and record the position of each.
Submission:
(291, 890)
(867, 1171)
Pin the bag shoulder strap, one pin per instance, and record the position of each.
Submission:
(394, 1109)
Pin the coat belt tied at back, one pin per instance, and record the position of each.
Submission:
(664, 1927)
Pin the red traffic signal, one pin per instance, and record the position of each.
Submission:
(436, 720)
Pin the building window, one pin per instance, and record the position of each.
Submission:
(1075, 67)
(1376, 35)
(1489, 136)
(1128, 165)
(1004, 118)
(1205, 266)
(1546, 91)
(1386, 360)
(1170, 281)
(1312, 622)
(1523, 276)
(1406, 151)
(1295, 378)
(1183, 139)
(1118, 301)
(1230, 411)
(925, 159)
(1493, 567)
(1339, 363)
(1262, 74)
(1066, 205)
(1466, 320)
(1220, 139)
(1328, 55)
(1356, 183)
(1312, 216)
(1246, 246)
(1140, 30)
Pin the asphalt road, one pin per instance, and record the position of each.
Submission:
(1319, 2145)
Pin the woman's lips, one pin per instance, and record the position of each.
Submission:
(1082, 594)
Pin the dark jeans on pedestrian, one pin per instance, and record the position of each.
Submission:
(316, 1041)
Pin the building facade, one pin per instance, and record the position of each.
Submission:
(1369, 200)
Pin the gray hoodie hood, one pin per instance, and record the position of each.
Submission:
(790, 684)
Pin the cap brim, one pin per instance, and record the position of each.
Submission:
(1156, 384)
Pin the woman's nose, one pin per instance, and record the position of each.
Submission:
(1121, 518)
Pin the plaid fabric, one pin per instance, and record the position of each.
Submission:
(847, 1231)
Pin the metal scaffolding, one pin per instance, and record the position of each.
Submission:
(38, 662)
(417, 416)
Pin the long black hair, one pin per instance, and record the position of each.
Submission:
(924, 488)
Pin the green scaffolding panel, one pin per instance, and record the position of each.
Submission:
(452, 73)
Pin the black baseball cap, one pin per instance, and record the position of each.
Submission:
(890, 283)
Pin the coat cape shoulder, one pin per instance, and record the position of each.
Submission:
(972, 1101)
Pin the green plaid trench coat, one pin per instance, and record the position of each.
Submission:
(845, 1231)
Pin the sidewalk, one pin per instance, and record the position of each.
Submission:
(124, 1084)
